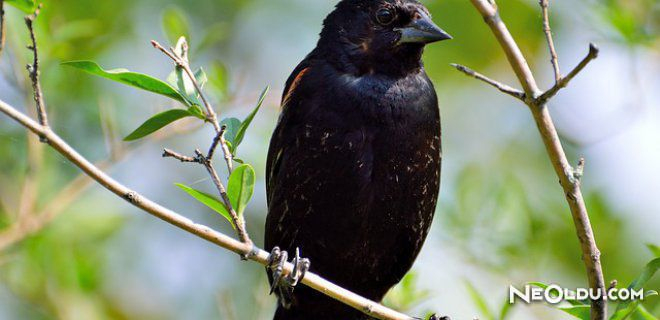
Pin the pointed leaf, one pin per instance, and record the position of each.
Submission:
(505, 310)
(625, 308)
(581, 312)
(240, 134)
(233, 125)
(571, 301)
(27, 6)
(643, 314)
(175, 24)
(157, 122)
(654, 249)
(209, 201)
(138, 80)
(220, 78)
(241, 187)
(479, 301)
(201, 77)
(197, 111)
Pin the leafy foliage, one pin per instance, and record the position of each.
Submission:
(208, 200)
(138, 80)
(157, 122)
(27, 6)
(175, 24)
(241, 187)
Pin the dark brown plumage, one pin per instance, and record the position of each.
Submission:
(353, 167)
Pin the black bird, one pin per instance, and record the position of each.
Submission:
(353, 168)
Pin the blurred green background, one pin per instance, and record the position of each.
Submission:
(81, 253)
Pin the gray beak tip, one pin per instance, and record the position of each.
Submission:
(422, 30)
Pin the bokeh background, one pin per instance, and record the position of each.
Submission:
(79, 252)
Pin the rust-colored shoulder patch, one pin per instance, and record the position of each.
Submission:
(293, 86)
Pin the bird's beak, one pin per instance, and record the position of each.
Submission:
(422, 30)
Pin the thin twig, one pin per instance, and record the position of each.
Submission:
(554, 60)
(167, 153)
(253, 253)
(561, 165)
(182, 62)
(33, 69)
(237, 220)
(500, 86)
(2, 26)
(563, 82)
(216, 140)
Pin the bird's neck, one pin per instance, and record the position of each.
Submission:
(358, 59)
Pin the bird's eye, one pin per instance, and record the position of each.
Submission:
(385, 16)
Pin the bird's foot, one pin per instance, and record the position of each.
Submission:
(286, 284)
(435, 317)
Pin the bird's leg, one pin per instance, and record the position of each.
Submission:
(286, 284)
(300, 267)
(276, 263)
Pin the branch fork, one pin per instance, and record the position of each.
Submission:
(569, 177)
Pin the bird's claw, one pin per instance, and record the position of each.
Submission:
(435, 317)
(300, 267)
(276, 262)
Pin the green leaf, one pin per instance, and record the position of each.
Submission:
(572, 302)
(209, 201)
(581, 312)
(175, 24)
(197, 111)
(625, 308)
(654, 249)
(643, 314)
(241, 187)
(201, 77)
(27, 6)
(138, 80)
(240, 134)
(233, 125)
(157, 122)
(505, 310)
(220, 78)
(479, 300)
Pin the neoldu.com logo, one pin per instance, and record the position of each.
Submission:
(555, 294)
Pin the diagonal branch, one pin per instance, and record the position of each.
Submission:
(182, 62)
(33, 69)
(563, 82)
(554, 60)
(500, 86)
(253, 253)
(568, 176)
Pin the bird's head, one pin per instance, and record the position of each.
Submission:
(379, 36)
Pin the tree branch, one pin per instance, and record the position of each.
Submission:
(563, 82)
(253, 253)
(554, 60)
(33, 69)
(500, 86)
(567, 175)
(181, 61)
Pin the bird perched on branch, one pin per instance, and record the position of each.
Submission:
(353, 168)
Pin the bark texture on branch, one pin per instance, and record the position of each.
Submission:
(569, 177)
(253, 253)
